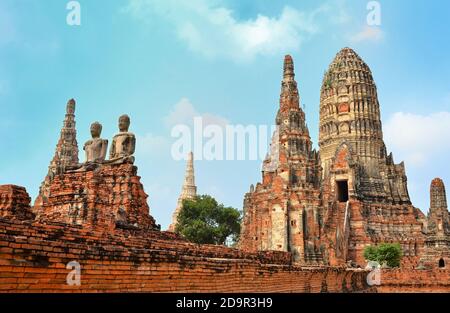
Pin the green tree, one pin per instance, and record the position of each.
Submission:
(370, 253)
(389, 254)
(203, 220)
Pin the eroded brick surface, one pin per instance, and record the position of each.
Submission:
(108, 196)
(33, 258)
(404, 280)
(15, 202)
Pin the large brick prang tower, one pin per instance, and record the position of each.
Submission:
(350, 114)
(283, 211)
(365, 194)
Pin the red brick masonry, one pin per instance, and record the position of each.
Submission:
(404, 280)
(34, 254)
(33, 258)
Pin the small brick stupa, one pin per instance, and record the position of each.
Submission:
(437, 244)
(188, 191)
(66, 152)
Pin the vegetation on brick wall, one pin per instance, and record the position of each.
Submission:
(387, 254)
(203, 220)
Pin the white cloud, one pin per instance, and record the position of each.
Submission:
(150, 144)
(181, 112)
(184, 113)
(368, 33)
(213, 31)
(418, 138)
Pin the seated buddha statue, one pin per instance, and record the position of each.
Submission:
(95, 150)
(96, 147)
(123, 144)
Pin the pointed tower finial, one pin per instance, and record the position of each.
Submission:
(288, 68)
(189, 177)
(70, 109)
(289, 98)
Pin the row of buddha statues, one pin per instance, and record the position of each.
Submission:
(121, 150)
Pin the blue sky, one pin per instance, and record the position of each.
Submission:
(163, 62)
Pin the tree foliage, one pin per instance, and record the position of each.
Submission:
(389, 254)
(203, 220)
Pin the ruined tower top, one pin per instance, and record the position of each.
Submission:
(66, 153)
(288, 68)
(438, 199)
(70, 109)
(438, 216)
(349, 110)
(437, 182)
(289, 98)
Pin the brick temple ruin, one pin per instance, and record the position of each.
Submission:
(325, 206)
(305, 225)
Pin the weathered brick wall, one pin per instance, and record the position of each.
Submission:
(33, 258)
(96, 198)
(409, 280)
(15, 202)
(375, 223)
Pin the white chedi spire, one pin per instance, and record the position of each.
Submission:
(188, 191)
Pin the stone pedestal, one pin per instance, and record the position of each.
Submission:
(107, 197)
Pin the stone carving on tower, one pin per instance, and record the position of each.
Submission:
(188, 191)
